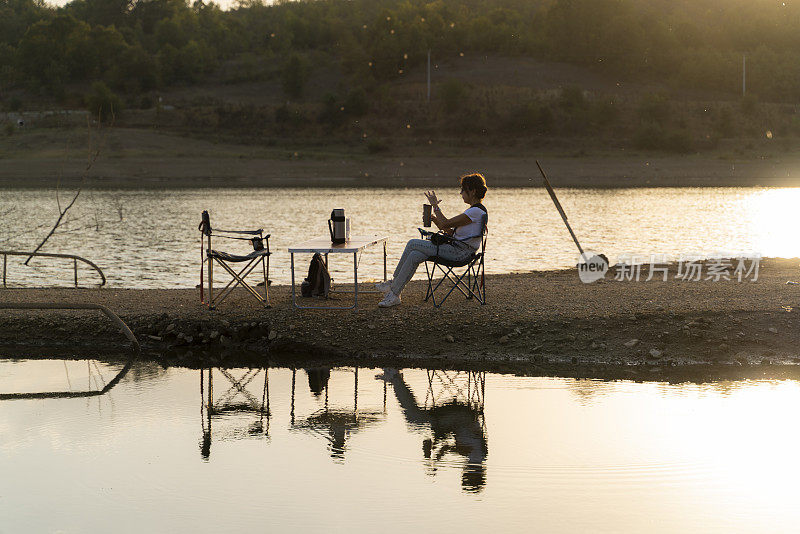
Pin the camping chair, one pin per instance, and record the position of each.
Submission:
(258, 256)
(474, 286)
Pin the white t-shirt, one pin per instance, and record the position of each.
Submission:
(472, 229)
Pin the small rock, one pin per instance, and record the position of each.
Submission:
(450, 339)
(517, 331)
(723, 346)
(272, 335)
(503, 340)
(224, 340)
(291, 327)
(171, 327)
(155, 338)
(773, 329)
(655, 353)
(371, 326)
(631, 343)
(225, 323)
(213, 335)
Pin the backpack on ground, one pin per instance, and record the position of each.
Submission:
(318, 281)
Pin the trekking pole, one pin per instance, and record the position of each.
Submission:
(560, 209)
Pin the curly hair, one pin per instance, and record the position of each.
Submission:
(474, 182)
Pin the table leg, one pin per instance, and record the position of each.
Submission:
(384, 261)
(355, 280)
(294, 302)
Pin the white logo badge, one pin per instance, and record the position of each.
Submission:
(592, 267)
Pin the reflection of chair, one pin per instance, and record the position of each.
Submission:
(473, 287)
(259, 255)
(236, 400)
(463, 387)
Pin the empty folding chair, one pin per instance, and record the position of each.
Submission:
(259, 255)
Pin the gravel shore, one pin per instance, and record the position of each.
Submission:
(547, 321)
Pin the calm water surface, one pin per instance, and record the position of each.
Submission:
(365, 450)
(155, 244)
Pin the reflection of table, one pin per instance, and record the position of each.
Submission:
(354, 245)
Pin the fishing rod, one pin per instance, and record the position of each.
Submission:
(560, 209)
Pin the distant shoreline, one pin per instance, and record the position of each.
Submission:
(399, 171)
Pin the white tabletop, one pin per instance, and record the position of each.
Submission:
(323, 244)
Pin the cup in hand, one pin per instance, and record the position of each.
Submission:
(426, 215)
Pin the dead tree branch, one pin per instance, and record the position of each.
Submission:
(92, 155)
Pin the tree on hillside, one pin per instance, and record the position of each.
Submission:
(101, 12)
(294, 76)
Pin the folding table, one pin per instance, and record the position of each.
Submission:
(355, 245)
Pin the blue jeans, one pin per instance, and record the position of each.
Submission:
(419, 250)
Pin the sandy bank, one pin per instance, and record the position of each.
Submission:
(400, 171)
(532, 320)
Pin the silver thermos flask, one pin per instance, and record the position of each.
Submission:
(337, 226)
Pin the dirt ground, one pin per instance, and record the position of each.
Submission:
(139, 158)
(545, 321)
(401, 171)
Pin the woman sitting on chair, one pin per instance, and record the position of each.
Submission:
(465, 228)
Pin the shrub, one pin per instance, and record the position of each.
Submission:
(649, 136)
(652, 136)
(102, 101)
(282, 114)
(376, 145)
(530, 118)
(654, 107)
(723, 123)
(356, 103)
(332, 113)
(571, 98)
(294, 76)
(678, 140)
(453, 93)
(749, 104)
(286, 115)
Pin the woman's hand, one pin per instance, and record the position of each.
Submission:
(432, 200)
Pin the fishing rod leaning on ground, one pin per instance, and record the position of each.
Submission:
(595, 258)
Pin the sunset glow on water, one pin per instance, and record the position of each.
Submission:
(471, 451)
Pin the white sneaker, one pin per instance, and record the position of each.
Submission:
(389, 300)
(384, 287)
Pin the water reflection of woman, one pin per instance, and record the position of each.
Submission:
(466, 229)
(318, 379)
(455, 427)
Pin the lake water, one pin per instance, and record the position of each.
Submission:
(149, 239)
(368, 450)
